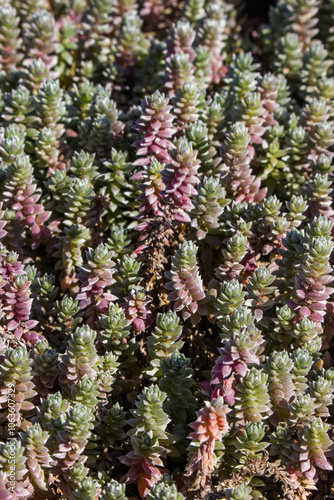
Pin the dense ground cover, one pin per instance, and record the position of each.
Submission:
(166, 258)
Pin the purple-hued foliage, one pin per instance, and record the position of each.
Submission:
(166, 250)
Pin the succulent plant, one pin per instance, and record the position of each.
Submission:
(113, 491)
(237, 174)
(144, 461)
(73, 435)
(149, 415)
(164, 489)
(114, 330)
(180, 177)
(315, 446)
(238, 493)
(16, 376)
(111, 429)
(45, 367)
(185, 283)
(176, 381)
(163, 341)
(211, 425)
(233, 256)
(179, 70)
(21, 482)
(136, 309)
(10, 40)
(94, 278)
(250, 444)
(280, 382)
(40, 36)
(80, 358)
(166, 249)
(209, 204)
(187, 103)
(22, 196)
(156, 124)
(252, 398)
(38, 456)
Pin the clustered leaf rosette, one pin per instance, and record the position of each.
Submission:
(181, 38)
(149, 414)
(131, 43)
(98, 26)
(132, 136)
(179, 70)
(127, 275)
(17, 387)
(112, 426)
(144, 462)
(21, 196)
(15, 294)
(114, 330)
(209, 203)
(187, 103)
(107, 372)
(72, 436)
(281, 382)
(231, 296)
(213, 118)
(18, 105)
(40, 35)
(156, 125)
(95, 276)
(232, 268)
(80, 358)
(249, 444)
(113, 491)
(198, 134)
(78, 202)
(250, 112)
(322, 390)
(239, 492)
(165, 489)
(268, 89)
(136, 309)
(66, 310)
(18, 308)
(101, 127)
(260, 289)
(180, 177)
(320, 189)
(51, 106)
(118, 191)
(314, 448)
(22, 487)
(10, 40)
(38, 455)
(211, 425)
(151, 192)
(237, 175)
(45, 365)
(177, 382)
(242, 75)
(238, 352)
(185, 283)
(163, 341)
(311, 282)
(252, 397)
(149, 441)
(213, 39)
